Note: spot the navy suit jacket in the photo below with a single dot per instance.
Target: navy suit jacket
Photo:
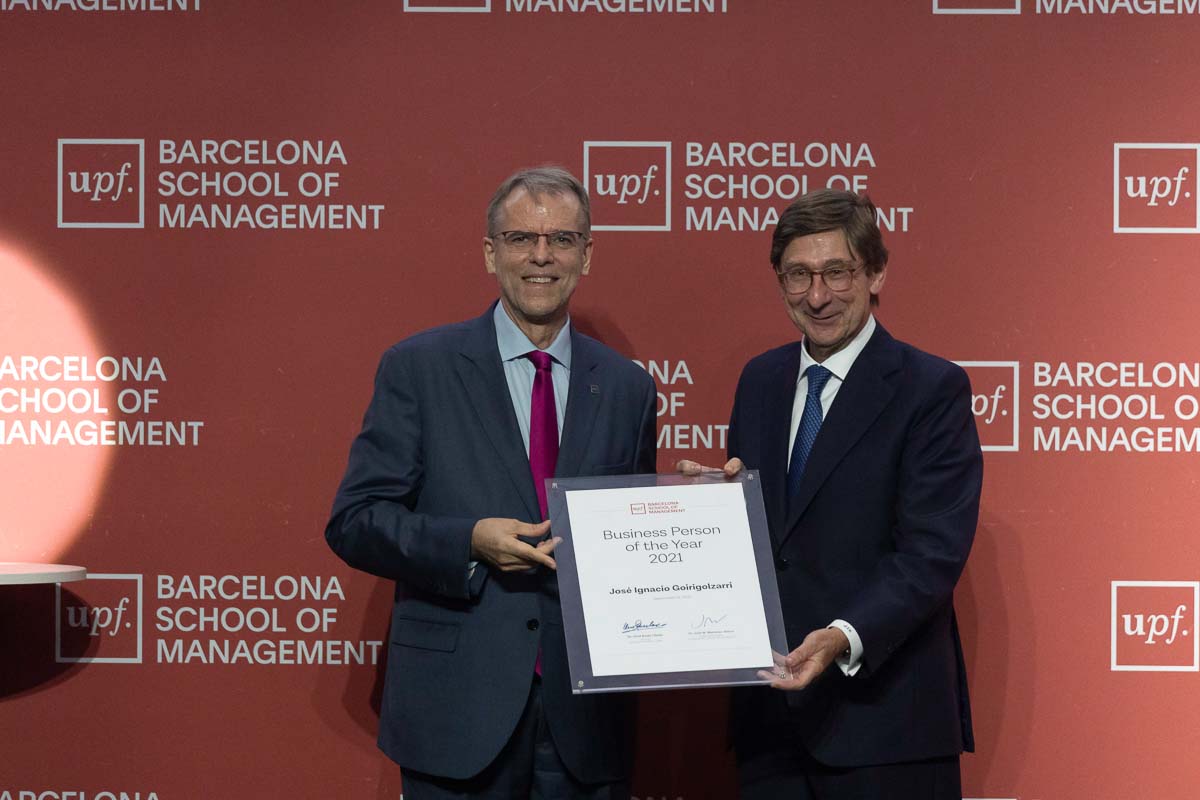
(878, 536)
(440, 449)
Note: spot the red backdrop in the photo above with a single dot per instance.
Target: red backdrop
(1037, 172)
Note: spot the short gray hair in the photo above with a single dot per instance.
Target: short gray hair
(540, 181)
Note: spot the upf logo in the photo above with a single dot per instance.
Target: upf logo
(1154, 626)
(101, 183)
(1154, 188)
(629, 184)
(448, 6)
(637, 508)
(976, 7)
(102, 616)
(995, 402)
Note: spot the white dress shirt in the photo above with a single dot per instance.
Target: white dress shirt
(839, 365)
(519, 373)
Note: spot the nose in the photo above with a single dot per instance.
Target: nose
(541, 252)
(818, 293)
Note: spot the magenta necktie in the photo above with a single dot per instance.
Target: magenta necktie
(543, 438)
(543, 427)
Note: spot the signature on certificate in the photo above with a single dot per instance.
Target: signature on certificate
(706, 620)
(635, 627)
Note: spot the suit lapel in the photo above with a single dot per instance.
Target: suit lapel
(777, 411)
(867, 390)
(585, 392)
(482, 375)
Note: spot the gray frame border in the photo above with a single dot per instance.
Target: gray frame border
(141, 144)
(583, 681)
(59, 658)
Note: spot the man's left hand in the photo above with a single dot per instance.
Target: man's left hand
(810, 659)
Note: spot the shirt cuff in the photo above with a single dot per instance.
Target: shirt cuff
(849, 662)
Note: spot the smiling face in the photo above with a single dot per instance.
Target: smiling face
(829, 320)
(536, 284)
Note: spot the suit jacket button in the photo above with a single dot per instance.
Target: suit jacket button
(781, 563)
(532, 624)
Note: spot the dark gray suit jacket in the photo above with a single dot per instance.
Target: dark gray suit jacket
(878, 536)
(440, 449)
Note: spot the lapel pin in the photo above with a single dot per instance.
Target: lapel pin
(595, 389)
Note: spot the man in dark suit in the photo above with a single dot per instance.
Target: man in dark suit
(871, 474)
(444, 493)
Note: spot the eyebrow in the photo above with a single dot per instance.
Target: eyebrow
(830, 264)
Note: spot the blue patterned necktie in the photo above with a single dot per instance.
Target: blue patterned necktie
(810, 423)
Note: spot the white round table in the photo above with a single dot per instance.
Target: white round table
(13, 572)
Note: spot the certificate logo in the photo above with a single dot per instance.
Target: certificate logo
(629, 184)
(976, 7)
(101, 183)
(1154, 626)
(101, 616)
(447, 6)
(1154, 188)
(995, 402)
(657, 507)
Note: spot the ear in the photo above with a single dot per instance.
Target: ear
(876, 285)
(489, 255)
(587, 257)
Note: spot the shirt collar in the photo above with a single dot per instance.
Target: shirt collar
(514, 344)
(840, 362)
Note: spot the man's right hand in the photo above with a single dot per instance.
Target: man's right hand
(495, 541)
(690, 468)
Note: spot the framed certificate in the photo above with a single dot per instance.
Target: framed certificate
(665, 581)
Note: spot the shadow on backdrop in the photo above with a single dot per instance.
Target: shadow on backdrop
(31, 661)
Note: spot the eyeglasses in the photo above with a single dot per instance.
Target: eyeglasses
(524, 241)
(837, 278)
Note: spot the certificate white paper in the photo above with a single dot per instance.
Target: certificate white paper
(668, 581)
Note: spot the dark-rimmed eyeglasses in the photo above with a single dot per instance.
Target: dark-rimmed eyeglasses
(523, 241)
(837, 278)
